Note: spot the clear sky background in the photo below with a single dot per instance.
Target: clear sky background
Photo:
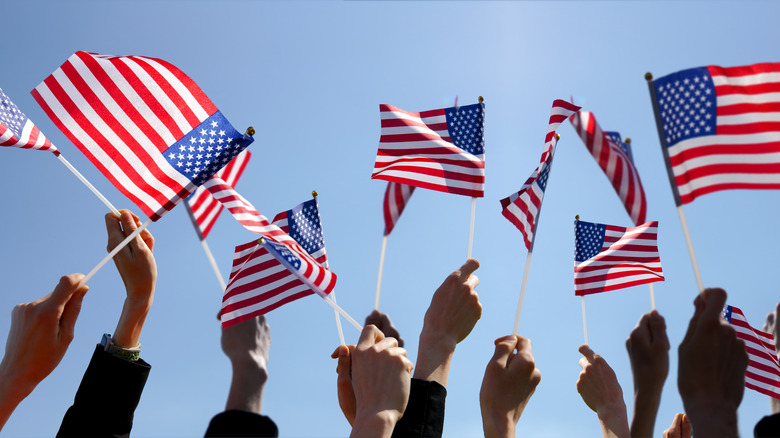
(309, 76)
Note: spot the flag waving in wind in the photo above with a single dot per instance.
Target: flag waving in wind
(522, 208)
(607, 257)
(614, 158)
(441, 149)
(720, 128)
(143, 123)
(269, 274)
(763, 370)
(18, 131)
(396, 197)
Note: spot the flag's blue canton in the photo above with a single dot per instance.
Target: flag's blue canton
(543, 176)
(727, 313)
(283, 252)
(10, 115)
(304, 225)
(206, 149)
(615, 136)
(588, 239)
(466, 127)
(687, 103)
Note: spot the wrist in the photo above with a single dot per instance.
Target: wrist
(131, 323)
(712, 418)
(434, 357)
(376, 424)
(498, 427)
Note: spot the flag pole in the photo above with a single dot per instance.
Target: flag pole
(87, 183)
(672, 180)
(584, 324)
(115, 251)
(379, 276)
(471, 227)
(528, 258)
(652, 296)
(205, 246)
(314, 195)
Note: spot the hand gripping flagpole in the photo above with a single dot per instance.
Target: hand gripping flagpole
(205, 246)
(528, 258)
(114, 251)
(314, 194)
(673, 181)
(473, 207)
(87, 183)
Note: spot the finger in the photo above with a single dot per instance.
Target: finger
(71, 312)
(467, 269)
(369, 336)
(129, 225)
(587, 352)
(685, 427)
(583, 362)
(344, 367)
(387, 343)
(114, 231)
(504, 348)
(472, 281)
(715, 299)
(657, 326)
(64, 290)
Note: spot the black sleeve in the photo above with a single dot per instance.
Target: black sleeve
(107, 397)
(424, 415)
(235, 423)
(768, 427)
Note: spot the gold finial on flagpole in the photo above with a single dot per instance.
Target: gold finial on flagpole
(314, 193)
(261, 241)
(481, 99)
(648, 76)
(557, 136)
(577, 217)
(250, 131)
(627, 140)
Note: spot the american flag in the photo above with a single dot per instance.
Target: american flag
(18, 131)
(143, 123)
(720, 126)
(614, 158)
(205, 209)
(607, 257)
(522, 208)
(269, 274)
(442, 149)
(396, 197)
(763, 370)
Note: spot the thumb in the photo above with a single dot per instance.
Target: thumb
(71, 312)
(504, 348)
(64, 290)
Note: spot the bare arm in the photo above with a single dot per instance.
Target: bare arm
(601, 391)
(648, 352)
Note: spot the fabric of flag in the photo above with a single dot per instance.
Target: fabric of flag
(607, 257)
(17, 130)
(143, 123)
(269, 274)
(522, 208)
(763, 370)
(396, 197)
(442, 149)
(721, 128)
(205, 209)
(614, 158)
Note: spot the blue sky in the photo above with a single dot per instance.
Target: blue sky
(309, 76)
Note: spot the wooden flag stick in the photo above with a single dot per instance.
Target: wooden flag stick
(652, 296)
(379, 276)
(522, 293)
(115, 251)
(471, 226)
(88, 184)
(205, 246)
(584, 324)
(314, 194)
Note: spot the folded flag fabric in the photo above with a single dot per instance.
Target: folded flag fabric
(763, 370)
(17, 130)
(522, 208)
(205, 209)
(396, 197)
(721, 128)
(143, 123)
(607, 257)
(614, 158)
(267, 274)
(442, 149)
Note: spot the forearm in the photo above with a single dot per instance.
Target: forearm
(131, 321)
(614, 423)
(645, 411)
(712, 419)
(12, 391)
(246, 387)
(497, 427)
(434, 357)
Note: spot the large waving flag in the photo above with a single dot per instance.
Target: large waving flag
(614, 158)
(267, 274)
(143, 123)
(720, 128)
(607, 257)
(17, 130)
(522, 208)
(763, 370)
(396, 197)
(205, 209)
(442, 149)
